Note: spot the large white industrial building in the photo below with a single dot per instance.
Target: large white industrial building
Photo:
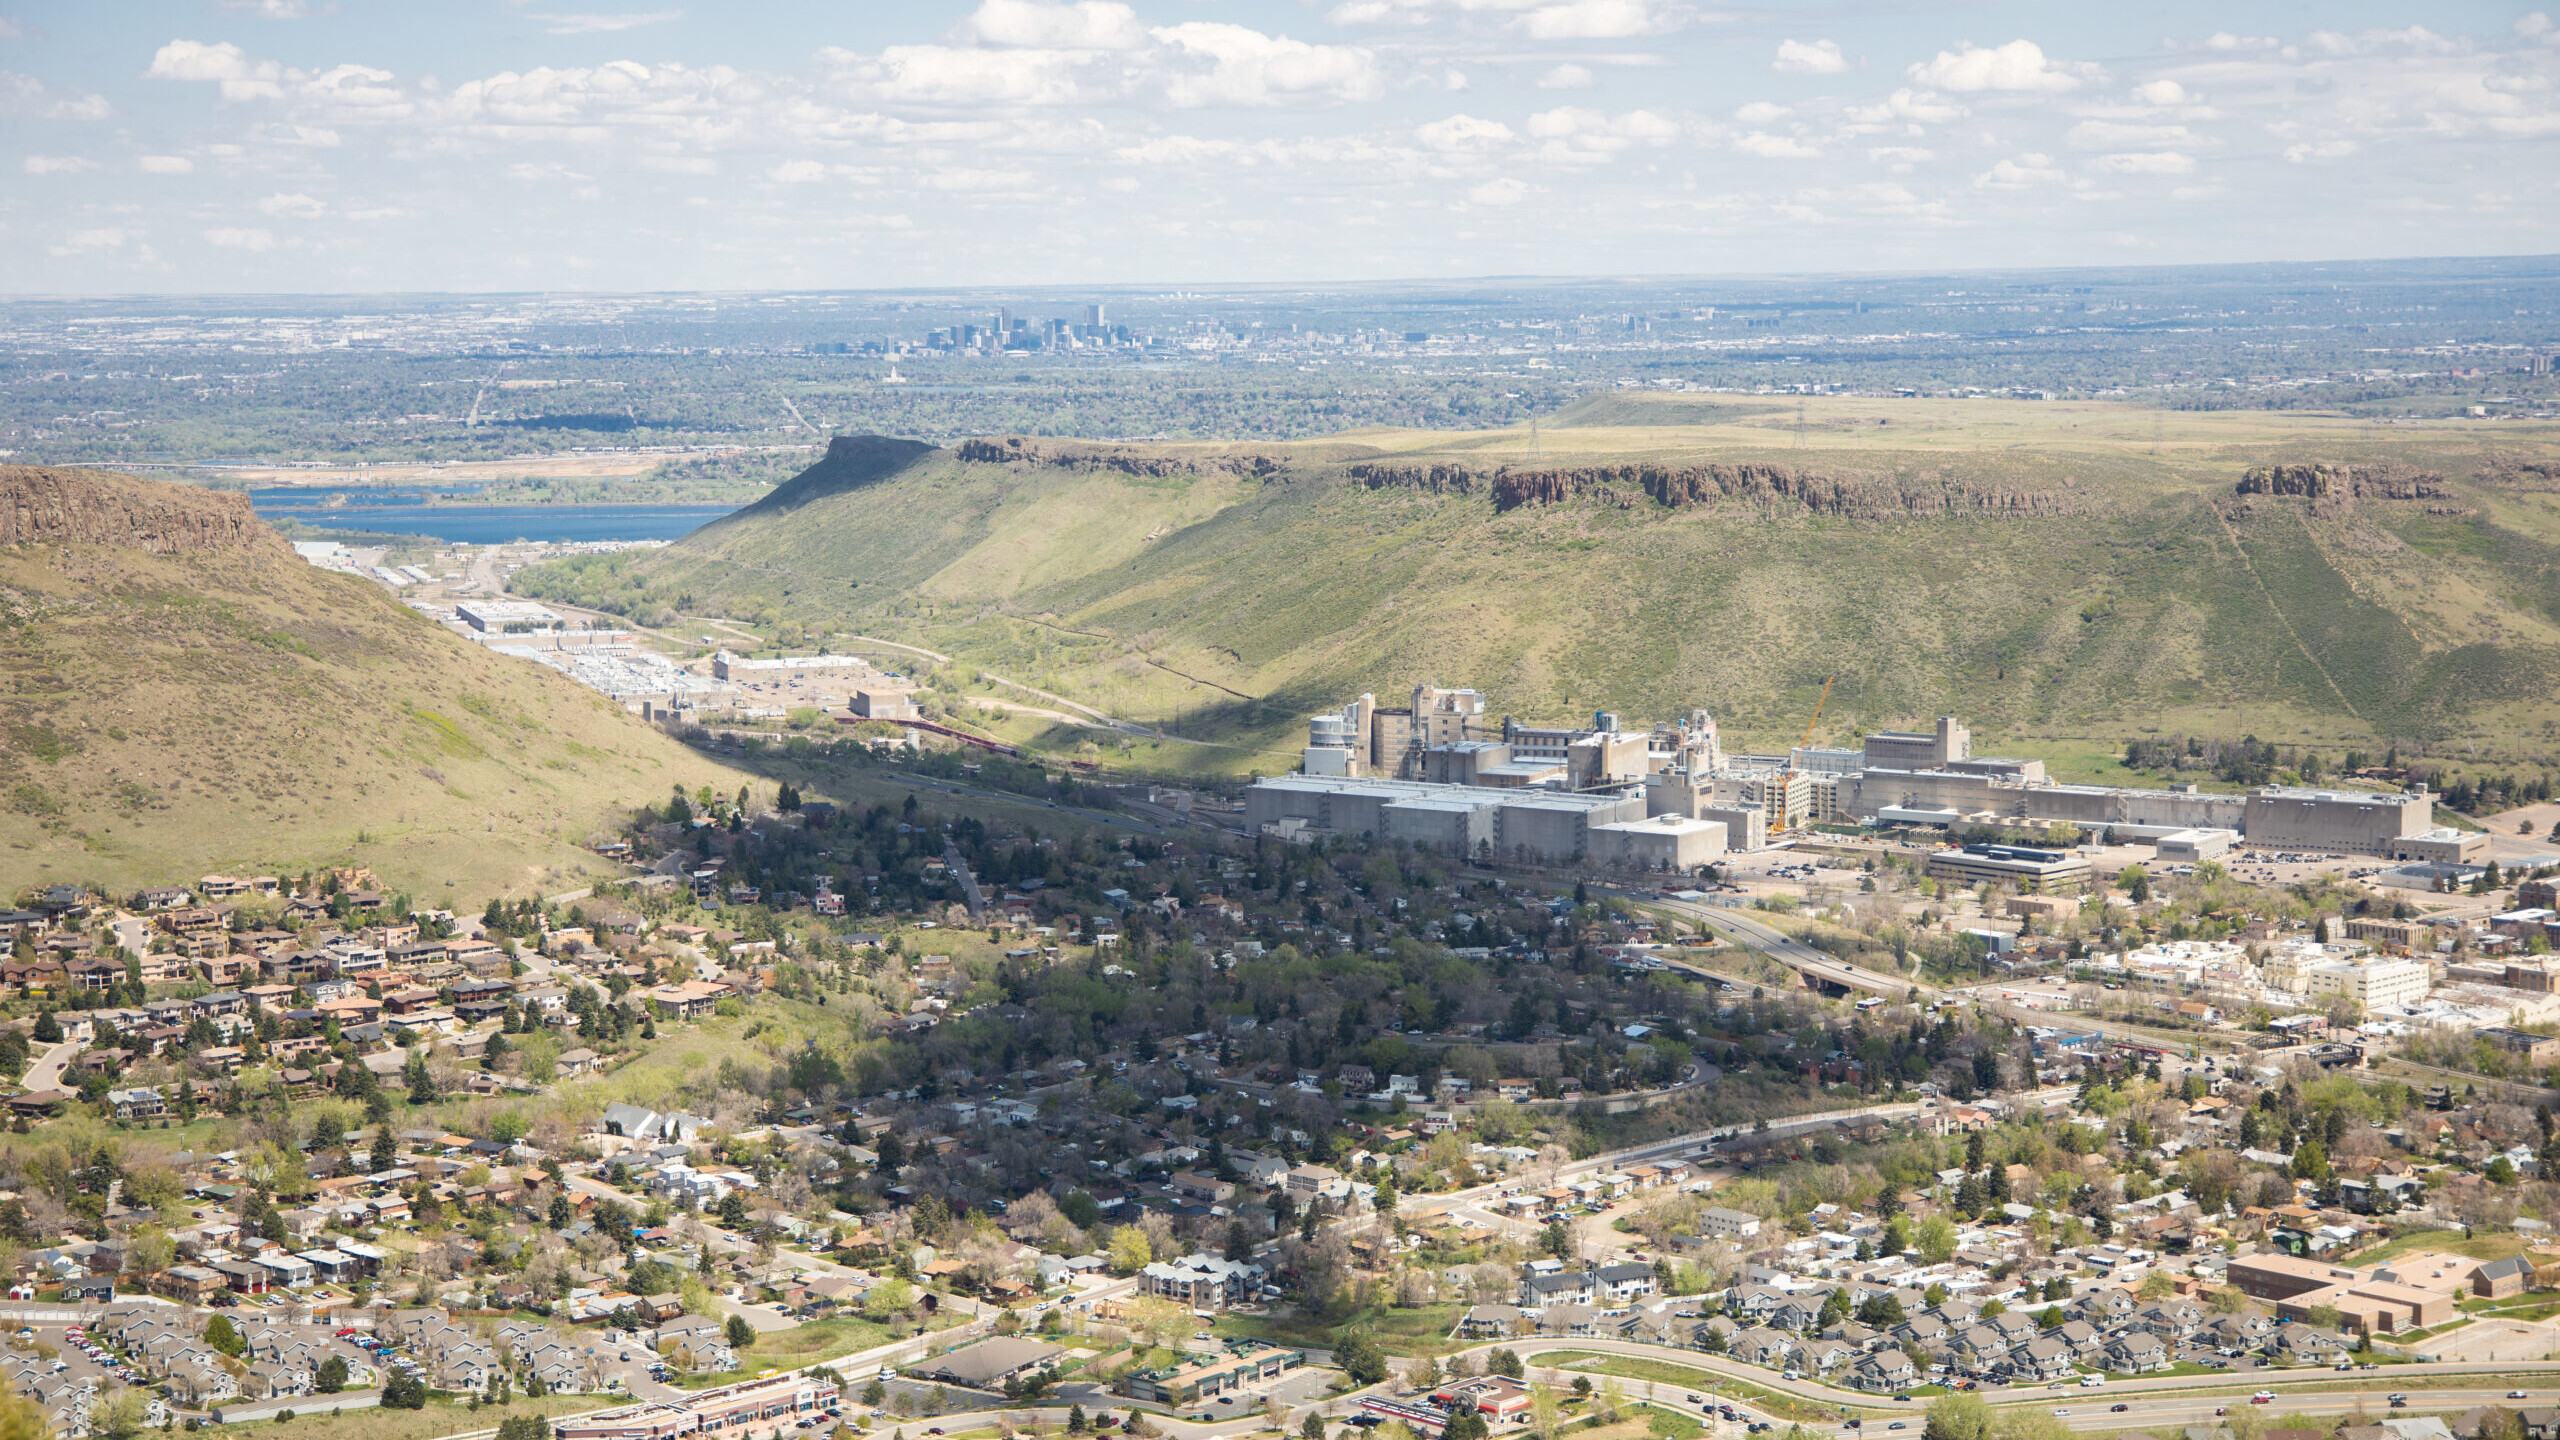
(1442, 774)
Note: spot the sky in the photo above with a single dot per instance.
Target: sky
(480, 145)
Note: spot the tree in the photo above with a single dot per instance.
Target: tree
(386, 1151)
(1936, 1240)
(1311, 1428)
(1957, 1417)
(1361, 1359)
(1503, 1361)
(422, 1082)
(892, 1296)
(332, 1376)
(48, 1029)
(1467, 1425)
(403, 1391)
(741, 1334)
(224, 1336)
(875, 1393)
(120, 1418)
(1130, 1251)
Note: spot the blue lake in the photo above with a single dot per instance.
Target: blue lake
(497, 524)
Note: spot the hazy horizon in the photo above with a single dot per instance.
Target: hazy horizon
(307, 147)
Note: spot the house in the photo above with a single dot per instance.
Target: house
(1491, 1322)
(1312, 1182)
(2137, 1352)
(2043, 1358)
(139, 1103)
(1771, 1348)
(1881, 1373)
(1726, 1224)
(1572, 1320)
(1567, 1287)
(1622, 1284)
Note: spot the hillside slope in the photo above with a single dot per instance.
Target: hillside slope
(2041, 568)
(180, 694)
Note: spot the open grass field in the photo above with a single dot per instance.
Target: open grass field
(2484, 1247)
(232, 709)
(1690, 1378)
(2065, 575)
(437, 1419)
(1422, 1330)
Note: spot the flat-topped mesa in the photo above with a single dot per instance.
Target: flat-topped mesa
(44, 505)
(2321, 479)
(1127, 460)
(1857, 494)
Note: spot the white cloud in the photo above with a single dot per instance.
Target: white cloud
(797, 172)
(2113, 135)
(1588, 20)
(606, 24)
(1247, 67)
(26, 95)
(1816, 57)
(1090, 25)
(2304, 154)
(234, 239)
(2154, 162)
(110, 237)
(1463, 132)
(268, 9)
(1760, 112)
(2536, 26)
(1576, 135)
(1565, 77)
(2024, 172)
(1921, 106)
(166, 165)
(2019, 66)
(2162, 93)
(1776, 147)
(297, 205)
(56, 164)
(1505, 191)
(224, 64)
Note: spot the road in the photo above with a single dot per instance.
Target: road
(2163, 1399)
(46, 1072)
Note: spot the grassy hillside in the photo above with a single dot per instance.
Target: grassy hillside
(2063, 574)
(184, 695)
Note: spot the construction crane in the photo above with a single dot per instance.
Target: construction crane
(1787, 816)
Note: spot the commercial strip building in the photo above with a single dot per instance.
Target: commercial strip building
(1203, 1375)
(729, 1407)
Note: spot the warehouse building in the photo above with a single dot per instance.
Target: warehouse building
(1541, 826)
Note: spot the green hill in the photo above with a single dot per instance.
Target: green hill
(2062, 574)
(184, 695)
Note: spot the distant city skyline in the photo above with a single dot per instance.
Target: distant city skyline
(337, 146)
